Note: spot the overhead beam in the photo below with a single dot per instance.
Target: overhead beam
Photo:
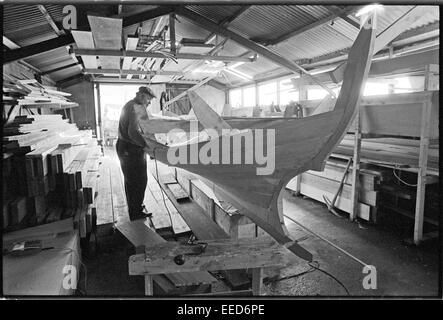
(315, 24)
(67, 39)
(75, 78)
(129, 71)
(147, 15)
(172, 33)
(217, 85)
(60, 68)
(225, 22)
(141, 54)
(251, 45)
(142, 81)
(10, 44)
(33, 49)
(50, 20)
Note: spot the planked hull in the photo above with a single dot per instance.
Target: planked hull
(301, 144)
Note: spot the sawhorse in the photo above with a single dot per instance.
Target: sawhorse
(211, 255)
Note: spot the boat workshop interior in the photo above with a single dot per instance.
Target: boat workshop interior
(289, 150)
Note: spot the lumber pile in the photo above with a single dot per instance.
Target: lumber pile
(398, 195)
(317, 184)
(32, 94)
(391, 151)
(50, 172)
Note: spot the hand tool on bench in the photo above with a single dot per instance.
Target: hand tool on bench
(330, 204)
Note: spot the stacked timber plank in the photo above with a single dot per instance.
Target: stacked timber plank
(392, 151)
(32, 94)
(317, 184)
(50, 173)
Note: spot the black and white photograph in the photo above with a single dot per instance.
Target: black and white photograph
(221, 151)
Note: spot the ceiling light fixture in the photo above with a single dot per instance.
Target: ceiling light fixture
(367, 9)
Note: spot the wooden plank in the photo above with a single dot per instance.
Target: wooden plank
(103, 201)
(200, 224)
(343, 204)
(50, 229)
(18, 210)
(257, 281)
(160, 218)
(140, 234)
(364, 196)
(107, 34)
(119, 204)
(131, 44)
(218, 255)
(367, 182)
(163, 201)
(177, 191)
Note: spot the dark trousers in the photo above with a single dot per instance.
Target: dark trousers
(133, 164)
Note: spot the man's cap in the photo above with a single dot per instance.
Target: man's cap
(147, 91)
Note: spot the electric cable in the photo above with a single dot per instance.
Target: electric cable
(327, 241)
(330, 275)
(399, 179)
(161, 191)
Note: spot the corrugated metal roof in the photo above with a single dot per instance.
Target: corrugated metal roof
(313, 43)
(272, 21)
(25, 25)
(215, 13)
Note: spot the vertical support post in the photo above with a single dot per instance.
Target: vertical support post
(149, 286)
(356, 168)
(257, 102)
(257, 281)
(302, 96)
(421, 176)
(172, 33)
(99, 114)
(297, 184)
(233, 227)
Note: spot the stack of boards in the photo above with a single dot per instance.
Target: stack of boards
(50, 172)
(32, 94)
(316, 184)
(390, 151)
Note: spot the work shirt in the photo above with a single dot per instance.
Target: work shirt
(128, 126)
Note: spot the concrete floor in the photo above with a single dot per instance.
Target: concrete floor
(401, 270)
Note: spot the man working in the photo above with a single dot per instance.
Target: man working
(130, 150)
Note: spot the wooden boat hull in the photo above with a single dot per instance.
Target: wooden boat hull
(300, 145)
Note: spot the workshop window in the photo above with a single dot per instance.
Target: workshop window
(287, 92)
(267, 94)
(235, 98)
(249, 97)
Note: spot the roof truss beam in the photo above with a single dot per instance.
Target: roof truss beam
(50, 20)
(140, 54)
(128, 71)
(67, 39)
(251, 45)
